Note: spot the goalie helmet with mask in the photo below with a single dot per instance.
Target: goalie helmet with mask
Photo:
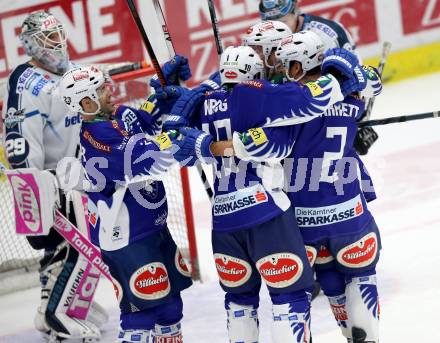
(44, 39)
(304, 47)
(241, 63)
(87, 87)
(264, 38)
(275, 9)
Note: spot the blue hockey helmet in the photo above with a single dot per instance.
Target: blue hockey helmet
(275, 9)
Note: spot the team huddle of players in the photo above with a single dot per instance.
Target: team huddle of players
(277, 123)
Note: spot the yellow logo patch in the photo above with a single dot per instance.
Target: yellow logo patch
(258, 136)
(164, 141)
(315, 89)
(147, 106)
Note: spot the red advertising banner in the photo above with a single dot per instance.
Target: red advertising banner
(103, 30)
(190, 25)
(99, 31)
(420, 15)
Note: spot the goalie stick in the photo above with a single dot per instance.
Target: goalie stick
(400, 119)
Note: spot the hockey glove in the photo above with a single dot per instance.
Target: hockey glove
(174, 122)
(340, 62)
(167, 97)
(188, 104)
(356, 83)
(192, 145)
(344, 65)
(365, 138)
(374, 82)
(173, 70)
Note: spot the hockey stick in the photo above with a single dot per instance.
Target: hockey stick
(400, 119)
(214, 22)
(385, 52)
(128, 67)
(147, 43)
(172, 53)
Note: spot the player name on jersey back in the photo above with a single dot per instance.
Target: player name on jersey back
(343, 109)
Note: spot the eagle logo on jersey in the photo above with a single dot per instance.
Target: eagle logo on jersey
(232, 271)
(360, 253)
(150, 282)
(280, 270)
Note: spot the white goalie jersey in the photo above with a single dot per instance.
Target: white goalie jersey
(38, 130)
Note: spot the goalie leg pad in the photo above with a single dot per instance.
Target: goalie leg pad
(363, 307)
(63, 273)
(97, 314)
(291, 317)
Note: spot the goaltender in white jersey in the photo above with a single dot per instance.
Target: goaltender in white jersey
(38, 133)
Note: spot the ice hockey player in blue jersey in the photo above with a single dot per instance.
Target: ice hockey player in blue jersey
(333, 35)
(124, 166)
(324, 189)
(248, 206)
(330, 206)
(262, 142)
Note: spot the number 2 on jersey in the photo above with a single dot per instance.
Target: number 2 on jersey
(329, 157)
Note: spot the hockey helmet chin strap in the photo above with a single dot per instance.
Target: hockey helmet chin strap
(293, 79)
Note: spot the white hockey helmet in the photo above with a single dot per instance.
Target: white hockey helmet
(267, 35)
(304, 47)
(239, 64)
(79, 83)
(44, 38)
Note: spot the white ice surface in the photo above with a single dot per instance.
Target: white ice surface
(405, 164)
